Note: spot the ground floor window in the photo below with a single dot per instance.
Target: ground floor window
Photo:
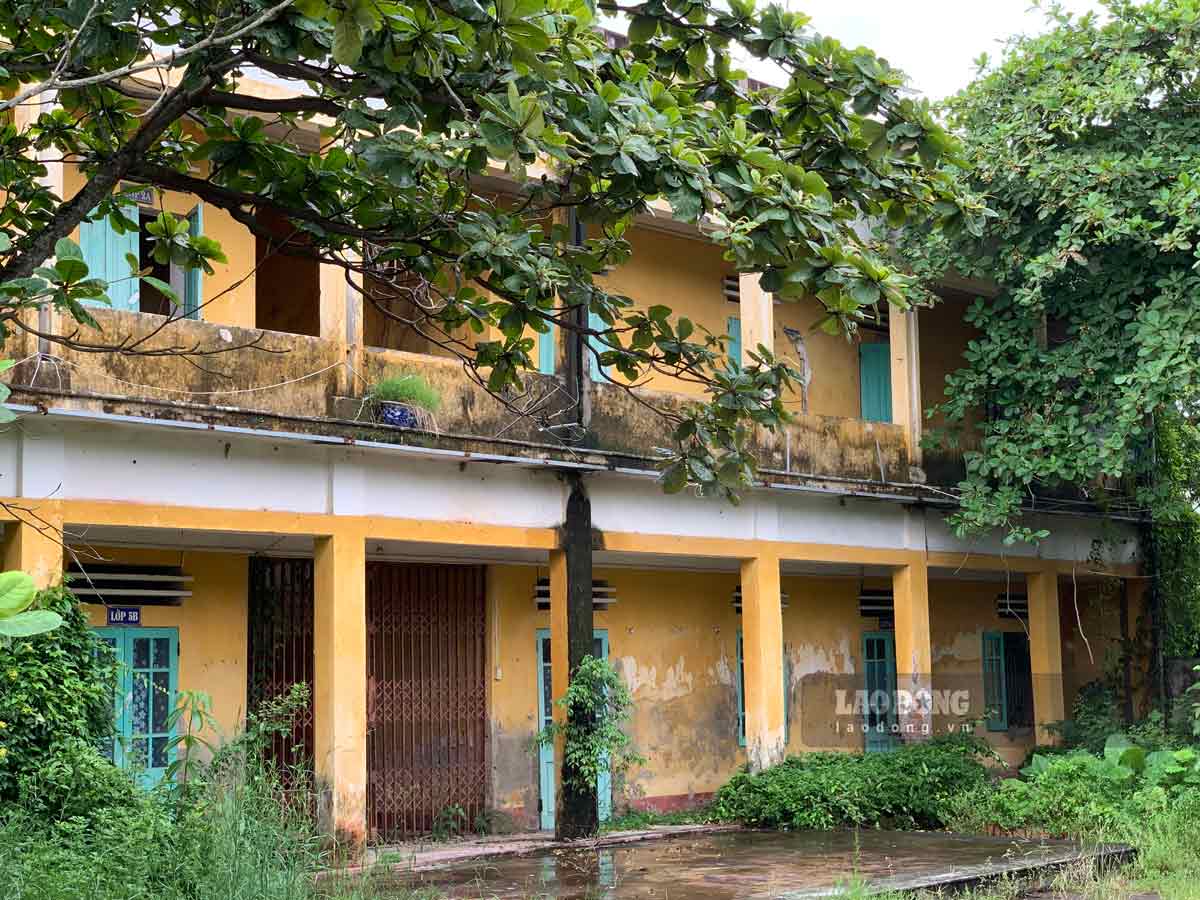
(1007, 680)
(146, 689)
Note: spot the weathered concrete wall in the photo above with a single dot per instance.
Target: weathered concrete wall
(273, 372)
(810, 445)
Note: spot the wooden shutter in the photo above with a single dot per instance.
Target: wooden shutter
(105, 253)
(875, 381)
(995, 698)
(733, 328)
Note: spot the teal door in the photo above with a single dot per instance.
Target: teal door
(106, 254)
(546, 773)
(146, 689)
(879, 667)
(875, 381)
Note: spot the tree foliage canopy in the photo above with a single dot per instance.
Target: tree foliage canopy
(1086, 143)
(386, 115)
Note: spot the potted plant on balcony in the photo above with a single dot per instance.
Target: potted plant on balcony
(405, 400)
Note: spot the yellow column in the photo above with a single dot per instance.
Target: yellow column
(1045, 652)
(340, 685)
(33, 543)
(914, 659)
(905, 346)
(762, 661)
(757, 312)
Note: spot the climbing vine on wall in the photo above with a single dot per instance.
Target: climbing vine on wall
(1086, 144)
(1177, 541)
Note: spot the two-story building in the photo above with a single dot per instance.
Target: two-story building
(238, 523)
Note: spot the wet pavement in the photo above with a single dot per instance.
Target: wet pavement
(748, 864)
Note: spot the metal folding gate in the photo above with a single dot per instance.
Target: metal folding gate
(280, 649)
(426, 696)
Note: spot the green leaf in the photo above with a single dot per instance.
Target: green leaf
(347, 41)
(642, 29)
(674, 478)
(17, 591)
(65, 248)
(27, 624)
(162, 287)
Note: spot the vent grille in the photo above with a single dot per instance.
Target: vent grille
(737, 599)
(877, 318)
(731, 289)
(604, 594)
(877, 604)
(112, 584)
(1012, 606)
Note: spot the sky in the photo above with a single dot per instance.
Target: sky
(935, 42)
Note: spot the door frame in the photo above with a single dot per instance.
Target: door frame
(124, 694)
(548, 777)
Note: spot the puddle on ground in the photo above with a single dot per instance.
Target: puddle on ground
(743, 864)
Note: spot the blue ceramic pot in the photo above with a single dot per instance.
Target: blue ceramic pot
(397, 414)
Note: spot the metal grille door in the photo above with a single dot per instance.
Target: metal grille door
(426, 697)
(281, 648)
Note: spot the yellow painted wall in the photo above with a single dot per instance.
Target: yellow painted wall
(682, 273)
(672, 635)
(687, 275)
(211, 623)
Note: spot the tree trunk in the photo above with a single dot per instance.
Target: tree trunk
(577, 815)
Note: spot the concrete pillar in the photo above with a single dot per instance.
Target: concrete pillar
(559, 664)
(340, 686)
(1045, 652)
(34, 543)
(762, 662)
(905, 344)
(914, 658)
(757, 313)
(342, 319)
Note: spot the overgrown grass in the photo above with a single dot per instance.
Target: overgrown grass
(233, 830)
(639, 819)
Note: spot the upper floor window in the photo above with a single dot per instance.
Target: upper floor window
(109, 255)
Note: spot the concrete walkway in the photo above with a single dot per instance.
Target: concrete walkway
(703, 863)
(420, 856)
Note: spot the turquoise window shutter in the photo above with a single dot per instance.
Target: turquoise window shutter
(733, 328)
(105, 253)
(995, 699)
(875, 380)
(546, 351)
(194, 285)
(598, 346)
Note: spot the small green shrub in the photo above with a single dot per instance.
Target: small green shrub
(597, 704)
(55, 688)
(909, 787)
(407, 388)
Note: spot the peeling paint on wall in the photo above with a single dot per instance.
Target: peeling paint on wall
(965, 647)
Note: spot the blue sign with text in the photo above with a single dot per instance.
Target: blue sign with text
(124, 615)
